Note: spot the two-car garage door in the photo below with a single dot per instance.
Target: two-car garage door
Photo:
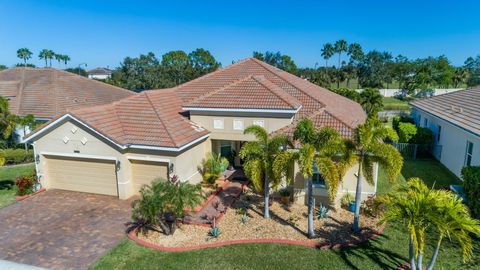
(82, 174)
(99, 175)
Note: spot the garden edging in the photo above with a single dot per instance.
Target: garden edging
(21, 198)
(132, 235)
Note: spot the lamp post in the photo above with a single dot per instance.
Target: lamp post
(79, 66)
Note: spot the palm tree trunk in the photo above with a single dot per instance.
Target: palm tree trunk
(411, 255)
(25, 62)
(266, 191)
(420, 260)
(46, 62)
(435, 254)
(311, 232)
(339, 59)
(358, 195)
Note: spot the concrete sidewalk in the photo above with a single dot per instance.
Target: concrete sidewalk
(7, 265)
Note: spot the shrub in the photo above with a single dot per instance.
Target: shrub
(471, 187)
(346, 199)
(212, 167)
(406, 131)
(162, 202)
(373, 206)
(401, 119)
(423, 136)
(25, 184)
(17, 156)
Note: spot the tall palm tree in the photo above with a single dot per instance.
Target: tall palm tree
(419, 208)
(47, 55)
(355, 52)
(321, 148)
(66, 59)
(8, 121)
(327, 52)
(367, 145)
(24, 54)
(59, 58)
(258, 159)
(340, 47)
(371, 101)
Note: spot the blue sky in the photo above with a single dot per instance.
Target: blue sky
(102, 33)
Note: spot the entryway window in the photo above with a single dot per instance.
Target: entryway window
(225, 148)
(218, 123)
(259, 123)
(317, 178)
(469, 154)
(237, 124)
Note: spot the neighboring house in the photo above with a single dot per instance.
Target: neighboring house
(48, 92)
(100, 73)
(454, 119)
(113, 149)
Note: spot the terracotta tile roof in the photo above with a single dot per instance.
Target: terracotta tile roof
(245, 85)
(149, 118)
(48, 92)
(253, 92)
(461, 108)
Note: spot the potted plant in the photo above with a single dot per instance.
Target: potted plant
(285, 195)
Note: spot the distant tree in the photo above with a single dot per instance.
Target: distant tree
(355, 52)
(373, 68)
(59, 58)
(8, 121)
(176, 67)
(2, 67)
(47, 55)
(473, 67)
(202, 62)
(138, 73)
(24, 54)
(340, 47)
(278, 60)
(66, 59)
(327, 52)
(78, 71)
(460, 77)
(371, 101)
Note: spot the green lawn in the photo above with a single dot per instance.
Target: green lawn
(385, 252)
(391, 103)
(7, 182)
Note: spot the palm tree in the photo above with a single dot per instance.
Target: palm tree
(327, 52)
(340, 46)
(460, 76)
(367, 145)
(8, 121)
(355, 52)
(258, 158)
(371, 101)
(419, 207)
(47, 55)
(321, 148)
(24, 54)
(59, 58)
(66, 59)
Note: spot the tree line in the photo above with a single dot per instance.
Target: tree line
(47, 55)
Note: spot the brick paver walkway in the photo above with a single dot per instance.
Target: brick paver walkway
(218, 205)
(62, 230)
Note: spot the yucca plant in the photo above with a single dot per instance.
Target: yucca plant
(419, 208)
(258, 156)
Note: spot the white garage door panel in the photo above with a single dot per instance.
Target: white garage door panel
(84, 175)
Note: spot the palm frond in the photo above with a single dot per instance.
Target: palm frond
(389, 158)
(329, 172)
(259, 132)
(254, 170)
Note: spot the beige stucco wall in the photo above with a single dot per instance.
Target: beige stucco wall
(453, 142)
(185, 163)
(348, 184)
(228, 133)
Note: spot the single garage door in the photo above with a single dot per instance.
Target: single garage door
(82, 174)
(144, 172)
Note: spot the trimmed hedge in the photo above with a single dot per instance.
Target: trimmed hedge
(17, 156)
(471, 187)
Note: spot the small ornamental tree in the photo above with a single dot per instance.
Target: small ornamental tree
(406, 132)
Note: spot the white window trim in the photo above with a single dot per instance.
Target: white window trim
(238, 121)
(468, 154)
(217, 119)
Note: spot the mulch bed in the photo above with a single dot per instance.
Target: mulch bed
(288, 224)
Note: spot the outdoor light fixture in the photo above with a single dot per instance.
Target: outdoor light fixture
(117, 165)
(37, 159)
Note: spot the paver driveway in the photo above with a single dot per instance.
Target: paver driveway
(60, 229)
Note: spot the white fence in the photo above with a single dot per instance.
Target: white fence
(397, 92)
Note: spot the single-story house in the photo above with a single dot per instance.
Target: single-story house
(454, 119)
(48, 92)
(116, 148)
(99, 73)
